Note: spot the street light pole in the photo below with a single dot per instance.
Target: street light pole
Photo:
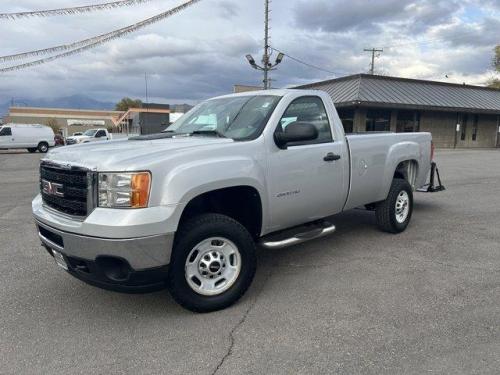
(266, 64)
(265, 58)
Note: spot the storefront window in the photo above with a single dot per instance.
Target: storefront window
(378, 120)
(463, 128)
(474, 128)
(408, 121)
(347, 118)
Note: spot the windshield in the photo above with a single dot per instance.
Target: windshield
(90, 132)
(240, 117)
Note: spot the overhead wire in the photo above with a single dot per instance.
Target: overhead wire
(305, 63)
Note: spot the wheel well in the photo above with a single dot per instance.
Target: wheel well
(242, 203)
(407, 170)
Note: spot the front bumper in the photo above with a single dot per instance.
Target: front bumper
(125, 265)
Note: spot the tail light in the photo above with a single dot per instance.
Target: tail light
(432, 151)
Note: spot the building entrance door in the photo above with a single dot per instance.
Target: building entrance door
(467, 133)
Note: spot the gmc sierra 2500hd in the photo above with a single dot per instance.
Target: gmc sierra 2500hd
(186, 208)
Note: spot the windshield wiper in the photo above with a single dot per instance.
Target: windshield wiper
(209, 132)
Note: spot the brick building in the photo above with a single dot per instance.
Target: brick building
(69, 120)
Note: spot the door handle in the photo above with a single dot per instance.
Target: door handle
(331, 157)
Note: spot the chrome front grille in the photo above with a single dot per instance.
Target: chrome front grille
(69, 190)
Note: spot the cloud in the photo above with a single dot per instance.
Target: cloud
(228, 9)
(485, 33)
(200, 52)
(337, 15)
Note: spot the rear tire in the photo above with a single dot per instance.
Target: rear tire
(31, 150)
(393, 215)
(213, 263)
(43, 147)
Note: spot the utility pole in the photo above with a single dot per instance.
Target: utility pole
(373, 51)
(147, 100)
(266, 64)
(265, 58)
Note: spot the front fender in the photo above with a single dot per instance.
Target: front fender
(191, 179)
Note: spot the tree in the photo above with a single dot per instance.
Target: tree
(496, 59)
(126, 103)
(495, 82)
(52, 122)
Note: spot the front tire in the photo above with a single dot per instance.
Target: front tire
(43, 147)
(393, 215)
(213, 263)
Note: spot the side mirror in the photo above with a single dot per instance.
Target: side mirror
(296, 132)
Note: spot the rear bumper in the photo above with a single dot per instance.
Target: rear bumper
(125, 265)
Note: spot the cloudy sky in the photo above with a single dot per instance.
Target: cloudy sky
(200, 52)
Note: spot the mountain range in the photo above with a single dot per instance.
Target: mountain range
(73, 101)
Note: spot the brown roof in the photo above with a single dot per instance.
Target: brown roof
(366, 89)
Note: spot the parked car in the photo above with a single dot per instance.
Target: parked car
(90, 135)
(32, 137)
(187, 207)
(59, 140)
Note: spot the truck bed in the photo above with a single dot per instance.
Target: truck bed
(374, 158)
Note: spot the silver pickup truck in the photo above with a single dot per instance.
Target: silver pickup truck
(186, 208)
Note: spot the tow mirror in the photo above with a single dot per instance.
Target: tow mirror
(296, 132)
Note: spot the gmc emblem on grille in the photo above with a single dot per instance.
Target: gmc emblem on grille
(51, 188)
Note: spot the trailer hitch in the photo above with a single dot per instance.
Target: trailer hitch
(431, 187)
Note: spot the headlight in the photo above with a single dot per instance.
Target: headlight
(124, 190)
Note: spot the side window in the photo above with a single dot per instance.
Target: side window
(100, 133)
(5, 131)
(308, 109)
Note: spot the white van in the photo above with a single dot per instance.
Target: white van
(32, 137)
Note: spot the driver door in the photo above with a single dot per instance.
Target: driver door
(100, 136)
(6, 139)
(305, 182)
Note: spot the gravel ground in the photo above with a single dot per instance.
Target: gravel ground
(359, 301)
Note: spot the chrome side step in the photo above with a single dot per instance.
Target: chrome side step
(318, 231)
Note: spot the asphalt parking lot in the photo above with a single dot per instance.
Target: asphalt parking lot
(359, 301)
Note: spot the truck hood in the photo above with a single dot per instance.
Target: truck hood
(130, 154)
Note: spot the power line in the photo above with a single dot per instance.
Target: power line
(305, 63)
(95, 41)
(71, 10)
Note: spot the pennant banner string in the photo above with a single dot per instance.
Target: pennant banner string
(73, 10)
(83, 45)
